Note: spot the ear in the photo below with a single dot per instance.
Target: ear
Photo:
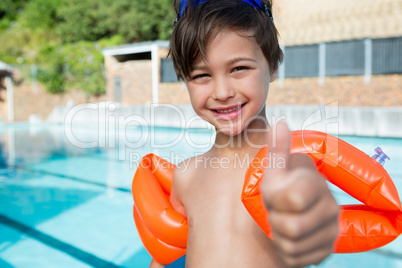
(273, 75)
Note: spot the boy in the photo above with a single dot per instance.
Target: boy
(227, 53)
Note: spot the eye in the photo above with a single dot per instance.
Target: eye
(199, 76)
(240, 68)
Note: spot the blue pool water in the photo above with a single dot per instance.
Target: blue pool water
(65, 196)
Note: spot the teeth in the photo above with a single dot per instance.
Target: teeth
(229, 110)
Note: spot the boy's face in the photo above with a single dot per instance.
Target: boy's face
(229, 89)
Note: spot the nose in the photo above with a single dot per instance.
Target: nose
(223, 89)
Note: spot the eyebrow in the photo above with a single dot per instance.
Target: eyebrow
(242, 59)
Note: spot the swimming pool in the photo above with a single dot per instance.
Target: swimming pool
(65, 197)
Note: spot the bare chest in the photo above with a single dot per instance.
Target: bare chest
(214, 198)
(219, 225)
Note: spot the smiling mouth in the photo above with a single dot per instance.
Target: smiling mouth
(228, 111)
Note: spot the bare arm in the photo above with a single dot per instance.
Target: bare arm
(178, 184)
(154, 264)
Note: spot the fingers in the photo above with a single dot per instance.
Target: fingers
(306, 236)
(308, 250)
(295, 248)
(303, 189)
(312, 258)
(297, 225)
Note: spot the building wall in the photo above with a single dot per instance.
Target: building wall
(314, 21)
(175, 93)
(3, 105)
(41, 103)
(383, 90)
(136, 79)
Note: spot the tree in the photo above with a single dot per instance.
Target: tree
(85, 20)
(40, 14)
(135, 20)
(147, 20)
(65, 37)
(9, 10)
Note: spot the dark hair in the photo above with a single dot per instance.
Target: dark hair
(201, 24)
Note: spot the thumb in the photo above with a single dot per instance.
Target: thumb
(279, 148)
(276, 179)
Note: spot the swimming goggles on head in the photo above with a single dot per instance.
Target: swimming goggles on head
(255, 3)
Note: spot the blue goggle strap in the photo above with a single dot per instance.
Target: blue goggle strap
(255, 3)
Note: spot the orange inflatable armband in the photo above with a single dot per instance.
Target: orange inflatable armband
(162, 230)
(370, 225)
(373, 224)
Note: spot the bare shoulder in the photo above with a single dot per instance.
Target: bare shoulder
(185, 169)
(184, 173)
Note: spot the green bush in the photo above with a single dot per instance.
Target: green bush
(78, 65)
(53, 79)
